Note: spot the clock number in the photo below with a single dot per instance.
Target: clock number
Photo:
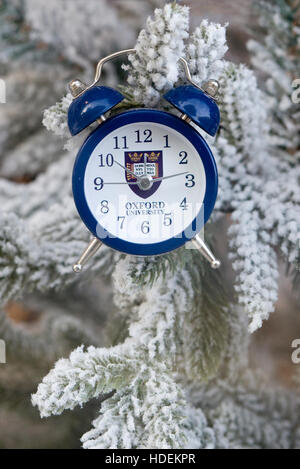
(121, 220)
(138, 136)
(167, 219)
(117, 143)
(106, 161)
(104, 207)
(183, 204)
(166, 137)
(145, 227)
(190, 178)
(183, 155)
(116, 139)
(147, 134)
(98, 183)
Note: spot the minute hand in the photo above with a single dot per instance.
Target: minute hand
(168, 177)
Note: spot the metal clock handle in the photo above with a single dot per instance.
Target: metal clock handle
(213, 84)
(77, 87)
(210, 87)
(107, 59)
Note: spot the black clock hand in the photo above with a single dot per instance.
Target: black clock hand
(128, 183)
(129, 171)
(153, 180)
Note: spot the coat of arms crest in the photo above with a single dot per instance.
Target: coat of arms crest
(142, 163)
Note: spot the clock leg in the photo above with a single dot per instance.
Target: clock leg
(206, 252)
(92, 248)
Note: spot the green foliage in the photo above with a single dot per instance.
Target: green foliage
(147, 270)
(206, 324)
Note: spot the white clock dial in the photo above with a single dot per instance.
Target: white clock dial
(130, 205)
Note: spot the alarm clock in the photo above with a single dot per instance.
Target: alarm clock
(145, 181)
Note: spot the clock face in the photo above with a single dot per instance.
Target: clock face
(143, 184)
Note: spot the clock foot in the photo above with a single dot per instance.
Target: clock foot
(89, 252)
(206, 252)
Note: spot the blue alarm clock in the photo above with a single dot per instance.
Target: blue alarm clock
(145, 181)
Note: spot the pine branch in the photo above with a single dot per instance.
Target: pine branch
(79, 46)
(82, 377)
(205, 325)
(147, 270)
(116, 427)
(58, 335)
(276, 55)
(205, 51)
(154, 68)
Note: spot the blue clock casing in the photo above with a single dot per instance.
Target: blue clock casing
(92, 104)
(197, 105)
(151, 116)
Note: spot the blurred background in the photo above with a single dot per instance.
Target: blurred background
(51, 39)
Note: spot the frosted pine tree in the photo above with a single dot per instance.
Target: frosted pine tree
(277, 59)
(280, 25)
(170, 368)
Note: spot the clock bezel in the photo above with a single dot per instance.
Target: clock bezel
(131, 117)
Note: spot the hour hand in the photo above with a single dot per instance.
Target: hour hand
(128, 171)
